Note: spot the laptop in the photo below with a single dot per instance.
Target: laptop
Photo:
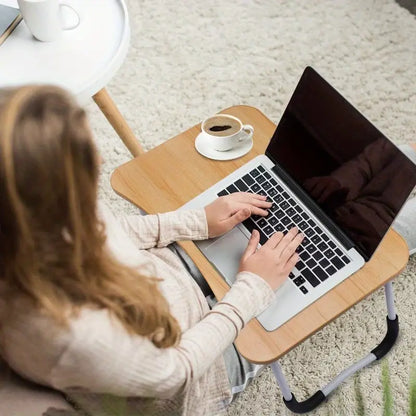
(331, 173)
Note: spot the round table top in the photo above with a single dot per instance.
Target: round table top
(83, 60)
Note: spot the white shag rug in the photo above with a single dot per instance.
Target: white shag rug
(190, 59)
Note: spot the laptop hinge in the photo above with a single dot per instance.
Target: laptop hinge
(316, 209)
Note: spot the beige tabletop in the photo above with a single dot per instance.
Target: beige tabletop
(171, 174)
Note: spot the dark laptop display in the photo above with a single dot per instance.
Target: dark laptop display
(344, 163)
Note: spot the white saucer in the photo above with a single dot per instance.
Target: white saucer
(204, 149)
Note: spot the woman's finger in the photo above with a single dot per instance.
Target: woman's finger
(291, 247)
(291, 263)
(286, 240)
(252, 195)
(255, 210)
(274, 240)
(249, 197)
(239, 216)
(252, 245)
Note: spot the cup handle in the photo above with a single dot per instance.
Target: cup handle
(249, 130)
(70, 27)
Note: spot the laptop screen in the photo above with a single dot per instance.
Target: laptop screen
(344, 163)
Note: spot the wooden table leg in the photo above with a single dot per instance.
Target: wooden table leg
(113, 115)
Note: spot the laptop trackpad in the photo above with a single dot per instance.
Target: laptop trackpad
(225, 253)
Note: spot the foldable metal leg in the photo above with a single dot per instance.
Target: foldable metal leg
(376, 354)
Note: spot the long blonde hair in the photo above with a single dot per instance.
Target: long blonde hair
(52, 244)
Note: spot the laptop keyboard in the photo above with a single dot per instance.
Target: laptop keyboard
(320, 257)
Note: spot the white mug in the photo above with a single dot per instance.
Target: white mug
(44, 20)
(225, 132)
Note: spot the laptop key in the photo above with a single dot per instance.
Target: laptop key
(338, 252)
(300, 265)
(291, 275)
(312, 223)
(311, 248)
(255, 188)
(304, 255)
(261, 169)
(249, 224)
(263, 238)
(337, 263)
(223, 193)
(284, 205)
(316, 239)
(322, 246)
(291, 212)
(311, 263)
(232, 189)
(329, 253)
(309, 232)
(299, 281)
(345, 259)
(267, 175)
(297, 218)
(254, 173)
(285, 195)
(285, 220)
(331, 270)
(303, 225)
(318, 230)
(260, 179)
(325, 237)
(305, 215)
(303, 290)
(272, 193)
(241, 186)
(273, 221)
(273, 182)
(267, 186)
(331, 244)
(324, 263)
(317, 255)
(268, 230)
(310, 277)
(262, 223)
(248, 179)
(279, 227)
(274, 208)
(322, 275)
(298, 208)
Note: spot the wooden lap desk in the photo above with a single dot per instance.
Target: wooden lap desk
(171, 174)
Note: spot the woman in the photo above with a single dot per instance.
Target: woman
(93, 305)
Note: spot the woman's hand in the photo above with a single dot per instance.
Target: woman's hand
(227, 211)
(275, 259)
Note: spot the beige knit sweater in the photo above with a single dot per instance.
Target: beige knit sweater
(96, 361)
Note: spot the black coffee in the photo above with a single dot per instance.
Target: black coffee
(221, 125)
(220, 128)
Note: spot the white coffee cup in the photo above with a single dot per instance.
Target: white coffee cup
(225, 132)
(44, 18)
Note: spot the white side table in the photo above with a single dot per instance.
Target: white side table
(82, 61)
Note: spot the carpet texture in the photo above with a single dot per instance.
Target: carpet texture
(188, 60)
